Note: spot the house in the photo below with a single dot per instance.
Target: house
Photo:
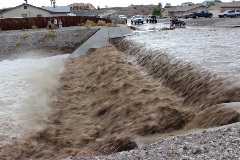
(26, 10)
(217, 7)
(207, 2)
(81, 6)
(187, 4)
(181, 11)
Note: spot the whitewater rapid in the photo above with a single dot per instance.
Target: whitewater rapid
(212, 49)
(25, 89)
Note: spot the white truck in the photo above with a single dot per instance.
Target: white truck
(137, 19)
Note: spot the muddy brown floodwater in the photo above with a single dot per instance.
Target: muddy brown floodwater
(105, 102)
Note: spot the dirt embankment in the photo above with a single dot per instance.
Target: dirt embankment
(42, 42)
(105, 103)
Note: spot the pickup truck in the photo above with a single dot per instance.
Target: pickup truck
(229, 13)
(200, 13)
(137, 19)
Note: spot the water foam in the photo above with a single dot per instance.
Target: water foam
(26, 85)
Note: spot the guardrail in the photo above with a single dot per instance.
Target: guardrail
(41, 22)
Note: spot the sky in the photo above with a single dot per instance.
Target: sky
(101, 3)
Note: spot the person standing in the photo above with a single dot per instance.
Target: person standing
(60, 23)
(49, 24)
(55, 23)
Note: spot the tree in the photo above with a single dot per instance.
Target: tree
(157, 10)
(210, 3)
(168, 5)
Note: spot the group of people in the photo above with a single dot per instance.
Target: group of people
(57, 24)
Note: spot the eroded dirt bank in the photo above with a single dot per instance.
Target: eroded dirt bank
(105, 102)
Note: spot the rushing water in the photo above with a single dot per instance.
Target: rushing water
(25, 87)
(215, 50)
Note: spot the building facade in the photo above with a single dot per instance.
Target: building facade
(27, 10)
(181, 11)
(218, 7)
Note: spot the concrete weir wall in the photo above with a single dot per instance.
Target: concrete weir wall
(103, 37)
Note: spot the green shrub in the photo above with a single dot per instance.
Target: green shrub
(80, 24)
(49, 34)
(25, 35)
(165, 28)
(34, 27)
(88, 26)
(109, 24)
(52, 27)
(90, 23)
(122, 21)
(18, 42)
(101, 23)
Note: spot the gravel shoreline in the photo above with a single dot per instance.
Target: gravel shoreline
(215, 143)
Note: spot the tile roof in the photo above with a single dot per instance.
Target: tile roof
(64, 9)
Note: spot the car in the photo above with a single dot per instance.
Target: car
(123, 17)
(152, 19)
(229, 13)
(90, 15)
(137, 19)
(200, 13)
(186, 16)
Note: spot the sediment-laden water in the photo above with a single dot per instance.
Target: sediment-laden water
(25, 92)
(101, 102)
(106, 99)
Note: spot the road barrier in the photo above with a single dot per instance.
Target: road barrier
(41, 22)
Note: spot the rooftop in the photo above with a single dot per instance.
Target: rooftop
(183, 8)
(58, 9)
(227, 4)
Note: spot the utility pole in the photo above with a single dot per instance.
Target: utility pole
(53, 2)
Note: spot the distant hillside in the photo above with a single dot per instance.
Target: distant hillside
(128, 11)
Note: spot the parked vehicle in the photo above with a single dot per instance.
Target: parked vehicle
(123, 17)
(152, 19)
(200, 13)
(177, 22)
(96, 16)
(186, 16)
(229, 13)
(137, 19)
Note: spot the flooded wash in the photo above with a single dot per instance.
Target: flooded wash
(25, 92)
(108, 100)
